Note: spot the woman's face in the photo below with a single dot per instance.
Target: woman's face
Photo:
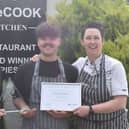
(92, 42)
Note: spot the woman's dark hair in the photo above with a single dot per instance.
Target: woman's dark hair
(93, 24)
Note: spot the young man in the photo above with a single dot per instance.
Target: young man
(2, 113)
(105, 90)
(49, 68)
(2, 110)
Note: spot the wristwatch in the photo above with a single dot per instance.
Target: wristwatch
(91, 111)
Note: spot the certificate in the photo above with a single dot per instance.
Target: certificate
(60, 96)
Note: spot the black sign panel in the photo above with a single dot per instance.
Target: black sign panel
(18, 19)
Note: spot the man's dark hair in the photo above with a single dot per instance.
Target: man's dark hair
(93, 24)
(46, 29)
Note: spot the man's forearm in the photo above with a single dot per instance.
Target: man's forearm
(20, 103)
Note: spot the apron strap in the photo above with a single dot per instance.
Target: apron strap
(36, 68)
(61, 67)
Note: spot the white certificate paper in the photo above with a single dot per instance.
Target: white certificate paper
(60, 96)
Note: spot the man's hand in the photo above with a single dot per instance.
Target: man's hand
(59, 114)
(28, 113)
(2, 112)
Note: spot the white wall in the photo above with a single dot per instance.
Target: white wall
(51, 6)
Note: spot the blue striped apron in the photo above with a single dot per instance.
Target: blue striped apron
(95, 91)
(42, 120)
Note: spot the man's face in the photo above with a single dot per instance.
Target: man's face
(48, 46)
(92, 42)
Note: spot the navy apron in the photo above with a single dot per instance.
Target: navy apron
(42, 120)
(95, 91)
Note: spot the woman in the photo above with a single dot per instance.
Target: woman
(104, 85)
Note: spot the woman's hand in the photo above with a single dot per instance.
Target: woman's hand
(35, 58)
(82, 111)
